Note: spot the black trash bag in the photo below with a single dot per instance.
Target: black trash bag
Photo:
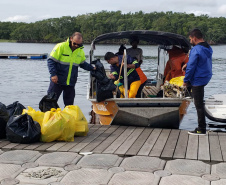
(104, 91)
(4, 117)
(101, 77)
(48, 101)
(22, 129)
(15, 108)
(99, 73)
(104, 85)
(99, 66)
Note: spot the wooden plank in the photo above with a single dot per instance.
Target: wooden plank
(88, 139)
(4, 143)
(134, 149)
(70, 145)
(33, 146)
(77, 140)
(148, 145)
(145, 92)
(110, 140)
(153, 90)
(150, 91)
(181, 147)
(90, 125)
(10, 145)
(203, 151)
(160, 143)
(170, 144)
(117, 143)
(45, 146)
(222, 139)
(100, 139)
(56, 146)
(215, 149)
(192, 149)
(156, 89)
(129, 141)
(20, 146)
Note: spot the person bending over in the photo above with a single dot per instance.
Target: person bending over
(115, 62)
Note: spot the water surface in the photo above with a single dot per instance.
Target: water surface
(27, 80)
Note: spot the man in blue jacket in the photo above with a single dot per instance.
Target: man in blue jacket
(198, 74)
(63, 67)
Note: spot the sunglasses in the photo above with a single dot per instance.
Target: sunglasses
(79, 45)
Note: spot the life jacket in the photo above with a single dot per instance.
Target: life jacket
(143, 77)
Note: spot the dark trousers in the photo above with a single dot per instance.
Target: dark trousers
(198, 95)
(68, 92)
(140, 90)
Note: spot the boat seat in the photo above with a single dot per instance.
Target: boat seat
(150, 91)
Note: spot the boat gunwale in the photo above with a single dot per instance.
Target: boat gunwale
(144, 100)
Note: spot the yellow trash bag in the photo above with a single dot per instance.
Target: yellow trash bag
(36, 115)
(177, 81)
(80, 122)
(57, 125)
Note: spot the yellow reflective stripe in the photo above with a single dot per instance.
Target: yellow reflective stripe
(130, 71)
(63, 63)
(69, 73)
(114, 73)
(135, 62)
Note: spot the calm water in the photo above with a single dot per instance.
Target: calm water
(27, 81)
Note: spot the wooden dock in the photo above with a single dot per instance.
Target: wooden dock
(23, 56)
(138, 141)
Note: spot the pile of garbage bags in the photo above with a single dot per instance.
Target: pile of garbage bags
(21, 125)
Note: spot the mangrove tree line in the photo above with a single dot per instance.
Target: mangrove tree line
(93, 24)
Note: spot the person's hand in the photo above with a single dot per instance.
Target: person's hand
(54, 79)
(130, 66)
(111, 76)
(185, 84)
(184, 67)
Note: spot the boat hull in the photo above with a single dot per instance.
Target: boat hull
(145, 114)
(157, 117)
(215, 108)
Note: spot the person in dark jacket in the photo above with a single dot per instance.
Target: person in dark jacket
(133, 77)
(198, 74)
(63, 67)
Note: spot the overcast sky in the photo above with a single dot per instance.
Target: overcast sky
(31, 11)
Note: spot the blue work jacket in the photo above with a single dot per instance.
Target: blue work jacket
(64, 63)
(199, 66)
